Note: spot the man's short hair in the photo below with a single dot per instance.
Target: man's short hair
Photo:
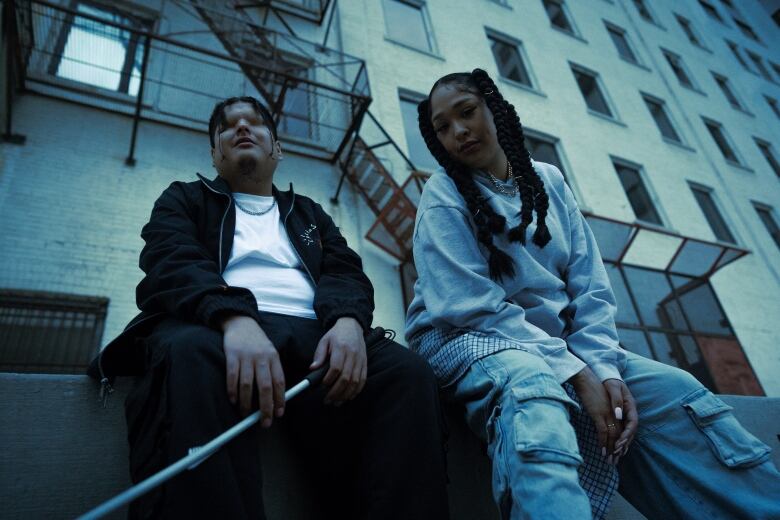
(217, 118)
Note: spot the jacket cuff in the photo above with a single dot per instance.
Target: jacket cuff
(564, 364)
(606, 371)
(231, 301)
(331, 315)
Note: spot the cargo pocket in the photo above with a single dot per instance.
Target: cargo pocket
(732, 444)
(543, 432)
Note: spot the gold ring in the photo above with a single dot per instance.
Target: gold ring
(610, 426)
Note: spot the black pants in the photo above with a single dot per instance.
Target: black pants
(378, 456)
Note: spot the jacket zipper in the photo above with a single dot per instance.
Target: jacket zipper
(222, 223)
(292, 243)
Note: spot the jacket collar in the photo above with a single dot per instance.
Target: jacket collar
(283, 198)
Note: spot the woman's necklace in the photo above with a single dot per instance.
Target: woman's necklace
(255, 213)
(509, 192)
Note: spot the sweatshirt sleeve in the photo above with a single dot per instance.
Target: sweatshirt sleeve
(592, 336)
(459, 293)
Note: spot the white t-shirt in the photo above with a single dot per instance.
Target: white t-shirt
(263, 260)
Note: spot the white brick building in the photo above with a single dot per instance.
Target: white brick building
(663, 80)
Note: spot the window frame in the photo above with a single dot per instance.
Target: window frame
(774, 105)
(739, 162)
(649, 191)
(746, 30)
(614, 116)
(610, 27)
(575, 31)
(410, 96)
(758, 62)
(717, 206)
(505, 39)
(672, 122)
(726, 85)
(422, 6)
(771, 213)
(694, 86)
(740, 59)
(653, 20)
(691, 32)
(713, 12)
(774, 162)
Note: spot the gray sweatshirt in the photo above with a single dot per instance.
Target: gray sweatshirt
(558, 305)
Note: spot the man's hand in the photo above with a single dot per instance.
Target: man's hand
(252, 358)
(345, 346)
(608, 404)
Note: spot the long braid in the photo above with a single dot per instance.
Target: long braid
(509, 132)
(487, 221)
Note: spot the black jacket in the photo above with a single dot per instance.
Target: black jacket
(189, 237)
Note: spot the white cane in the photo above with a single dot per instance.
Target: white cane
(196, 454)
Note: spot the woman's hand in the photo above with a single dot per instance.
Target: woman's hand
(624, 405)
(608, 404)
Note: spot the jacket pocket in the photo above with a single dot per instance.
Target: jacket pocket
(732, 444)
(542, 429)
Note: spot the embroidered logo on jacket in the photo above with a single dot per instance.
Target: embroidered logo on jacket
(306, 235)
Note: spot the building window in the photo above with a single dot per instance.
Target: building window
(99, 54)
(509, 60)
(774, 105)
(644, 11)
(543, 148)
(620, 39)
(735, 50)
(718, 135)
(730, 8)
(746, 30)
(711, 11)
(714, 219)
(765, 214)
(679, 69)
(657, 109)
(759, 63)
(776, 68)
(687, 28)
(418, 150)
(588, 82)
(49, 332)
(558, 15)
(637, 194)
(407, 23)
(725, 87)
(769, 154)
(678, 320)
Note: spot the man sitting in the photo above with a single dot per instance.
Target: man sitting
(248, 288)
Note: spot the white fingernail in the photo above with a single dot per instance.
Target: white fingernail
(619, 413)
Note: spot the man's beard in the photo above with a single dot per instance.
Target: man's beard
(247, 169)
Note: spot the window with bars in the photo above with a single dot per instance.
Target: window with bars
(679, 69)
(765, 213)
(746, 30)
(657, 110)
(759, 63)
(588, 82)
(90, 51)
(558, 15)
(769, 154)
(418, 150)
(719, 136)
(623, 46)
(725, 87)
(687, 28)
(636, 191)
(407, 22)
(714, 218)
(509, 59)
(45, 332)
(711, 11)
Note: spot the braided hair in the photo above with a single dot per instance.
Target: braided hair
(512, 141)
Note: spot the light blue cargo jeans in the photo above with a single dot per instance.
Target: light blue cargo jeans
(689, 459)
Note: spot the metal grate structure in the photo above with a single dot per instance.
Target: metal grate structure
(53, 333)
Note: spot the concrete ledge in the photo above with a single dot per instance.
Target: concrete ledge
(62, 453)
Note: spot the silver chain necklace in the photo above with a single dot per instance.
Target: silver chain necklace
(510, 177)
(254, 213)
